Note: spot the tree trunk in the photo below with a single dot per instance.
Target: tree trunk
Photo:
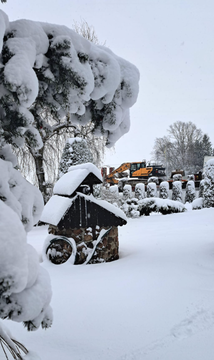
(40, 173)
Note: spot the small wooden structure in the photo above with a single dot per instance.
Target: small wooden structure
(91, 223)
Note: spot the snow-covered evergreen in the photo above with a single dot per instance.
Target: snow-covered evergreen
(25, 290)
(76, 152)
(201, 189)
(127, 192)
(164, 190)
(151, 190)
(177, 191)
(140, 191)
(209, 184)
(190, 191)
(51, 67)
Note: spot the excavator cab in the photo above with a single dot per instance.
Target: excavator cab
(136, 166)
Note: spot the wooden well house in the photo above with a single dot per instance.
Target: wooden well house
(74, 213)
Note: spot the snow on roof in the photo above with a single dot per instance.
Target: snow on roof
(70, 181)
(55, 209)
(90, 167)
(57, 206)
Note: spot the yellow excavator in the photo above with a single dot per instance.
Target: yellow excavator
(137, 171)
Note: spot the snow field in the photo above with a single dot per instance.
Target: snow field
(155, 302)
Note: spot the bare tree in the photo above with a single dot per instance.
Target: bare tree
(181, 149)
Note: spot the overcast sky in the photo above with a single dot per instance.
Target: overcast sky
(172, 44)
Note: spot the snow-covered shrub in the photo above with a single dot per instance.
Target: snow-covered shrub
(177, 190)
(209, 184)
(24, 198)
(201, 189)
(190, 177)
(198, 203)
(140, 191)
(164, 190)
(151, 190)
(130, 208)
(110, 194)
(177, 177)
(190, 191)
(127, 192)
(153, 179)
(76, 151)
(25, 290)
(163, 206)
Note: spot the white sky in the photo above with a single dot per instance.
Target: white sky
(172, 44)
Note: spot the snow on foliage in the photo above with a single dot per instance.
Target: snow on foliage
(47, 66)
(209, 184)
(163, 206)
(25, 199)
(164, 190)
(197, 204)
(151, 190)
(177, 190)
(76, 151)
(25, 290)
(190, 191)
(140, 191)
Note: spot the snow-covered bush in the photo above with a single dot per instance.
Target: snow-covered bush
(131, 208)
(198, 204)
(76, 152)
(25, 291)
(190, 177)
(190, 191)
(127, 192)
(151, 190)
(163, 206)
(177, 190)
(164, 190)
(201, 189)
(153, 179)
(209, 184)
(140, 191)
(110, 194)
(177, 177)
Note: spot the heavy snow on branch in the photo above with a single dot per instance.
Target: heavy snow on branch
(45, 66)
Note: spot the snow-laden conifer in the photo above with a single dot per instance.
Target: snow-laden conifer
(140, 191)
(209, 184)
(151, 190)
(177, 191)
(190, 191)
(201, 189)
(164, 190)
(76, 152)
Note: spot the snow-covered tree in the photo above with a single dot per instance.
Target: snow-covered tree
(190, 191)
(177, 191)
(140, 191)
(25, 290)
(164, 190)
(151, 190)
(201, 189)
(76, 152)
(127, 192)
(209, 184)
(52, 78)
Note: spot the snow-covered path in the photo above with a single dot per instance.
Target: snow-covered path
(155, 302)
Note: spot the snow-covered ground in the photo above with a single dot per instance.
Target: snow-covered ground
(155, 302)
